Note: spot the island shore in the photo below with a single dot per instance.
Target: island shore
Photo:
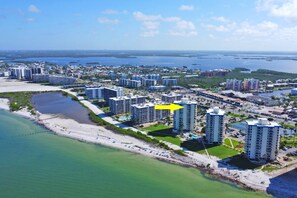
(251, 179)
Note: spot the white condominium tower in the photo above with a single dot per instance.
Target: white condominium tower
(262, 140)
(215, 126)
(185, 118)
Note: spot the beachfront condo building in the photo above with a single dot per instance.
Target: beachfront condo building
(215, 126)
(120, 105)
(103, 93)
(185, 118)
(170, 98)
(94, 92)
(146, 113)
(18, 73)
(262, 140)
(112, 92)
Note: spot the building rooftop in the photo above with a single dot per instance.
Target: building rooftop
(262, 122)
(126, 97)
(171, 94)
(215, 111)
(149, 104)
(185, 101)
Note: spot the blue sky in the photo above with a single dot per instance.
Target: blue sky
(261, 25)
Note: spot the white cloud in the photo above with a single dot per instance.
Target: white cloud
(268, 25)
(186, 7)
(220, 19)
(139, 16)
(279, 8)
(33, 8)
(218, 28)
(185, 25)
(114, 12)
(211, 36)
(30, 20)
(183, 28)
(151, 24)
(265, 29)
(150, 33)
(104, 20)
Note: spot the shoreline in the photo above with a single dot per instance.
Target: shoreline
(172, 158)
(99, 135)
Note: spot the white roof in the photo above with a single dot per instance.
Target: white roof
(262, 122)
(185, 101)
(215, 111)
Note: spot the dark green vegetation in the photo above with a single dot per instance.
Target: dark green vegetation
(70, 95)
(212, 82)
(163, 132)
(288, 126)
(242, 116)
(19, 100)
(288, 141)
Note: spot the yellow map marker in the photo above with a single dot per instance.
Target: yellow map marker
(171, 107)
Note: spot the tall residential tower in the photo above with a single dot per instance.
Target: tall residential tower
(185, 118)
(215, 126)
(262, 140)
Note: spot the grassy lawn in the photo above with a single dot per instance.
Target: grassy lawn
(242, 116)
(173, 140)
(289, 141)
(19, 100)
(163, 132)
(219, 151)
(105, 109)
(236, 144)
(156, 127)
(270, 168)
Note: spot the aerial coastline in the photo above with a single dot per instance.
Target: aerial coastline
(255, 180)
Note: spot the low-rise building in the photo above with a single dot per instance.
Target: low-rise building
(149, 82)
(61, 80)
(157, 88)
(130, 83)
(38, 78)
(294, 92)
(170, 98)
(170, 82)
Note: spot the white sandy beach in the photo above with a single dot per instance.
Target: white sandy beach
(256, 180)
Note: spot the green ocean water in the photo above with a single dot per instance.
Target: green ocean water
(36, 163)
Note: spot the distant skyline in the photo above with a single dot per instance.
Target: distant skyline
(245, 25)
